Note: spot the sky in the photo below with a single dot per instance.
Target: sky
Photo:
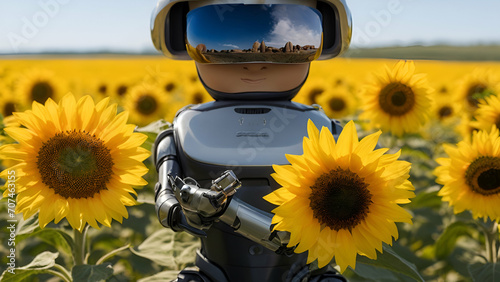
(32, 26)
(274, 25)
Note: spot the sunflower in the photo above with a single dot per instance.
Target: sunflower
(444, 109)
(443, 90)
(487, 114)
(337, 102)
(196, 94)
(8, 105)
(191, 76)
(465, 127)
(475, 86)
(471, 175)
(170, 85)
(184, 74)
(340, 198)
(313, 88)
(119, 89)
(339, 81)
(398, 101)
(146, 103)
(38, 85)
(75, 160)
(101, 88)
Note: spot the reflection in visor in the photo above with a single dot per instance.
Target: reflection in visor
(279, 33)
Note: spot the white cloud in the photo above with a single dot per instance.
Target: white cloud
(296, 31)
(231, 45)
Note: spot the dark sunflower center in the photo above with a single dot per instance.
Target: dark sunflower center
(121, 90)
(8, 109)
(169, 87)
(337, 104)
(314, 93)
(198, 98)
(483, 175)
(75, 164)
(41, 91)
(103, 89)
(445, 111)
(497, 122)
(146, 104)
(340, 199)
(475, 91)
(396, 99)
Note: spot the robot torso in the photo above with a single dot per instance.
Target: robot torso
(248, 138)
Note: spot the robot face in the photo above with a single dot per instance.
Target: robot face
(263, 33)
(253, 77)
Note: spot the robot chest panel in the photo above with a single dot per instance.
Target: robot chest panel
(245, 136)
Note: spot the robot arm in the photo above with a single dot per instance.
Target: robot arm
(167, 206)
(217, 203)
(255, 225)
(182, 205)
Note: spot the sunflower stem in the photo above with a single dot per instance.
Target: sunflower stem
(64, 273)
(64, 277)
(490, 235)
(80, 245)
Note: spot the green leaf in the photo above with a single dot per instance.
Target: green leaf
(482, 95)
(87, 272)
(484, 272)
(448, 239)
(111, 254)
(166, 248)
(426, 198)
(168, 275)
(392, 261)
(40, 264)
(24, 275)
(144, 198)
(152, 130)
(2, 126)
(365, 273)
(154, 127)
(158, 248)
(55, 237)
(44, 260)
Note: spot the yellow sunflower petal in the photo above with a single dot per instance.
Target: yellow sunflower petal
(326, 247)
(77, 132)
(468, 175)
(348, 207)
(397, 101)
(348, 140)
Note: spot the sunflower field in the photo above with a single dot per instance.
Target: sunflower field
(435, 124)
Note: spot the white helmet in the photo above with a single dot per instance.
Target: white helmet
(254, 30)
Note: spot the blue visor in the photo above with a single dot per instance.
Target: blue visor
(277, 33)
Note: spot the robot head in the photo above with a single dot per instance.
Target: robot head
(271, 31)
(225, 36)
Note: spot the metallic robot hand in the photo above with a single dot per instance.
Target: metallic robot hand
(202, 206)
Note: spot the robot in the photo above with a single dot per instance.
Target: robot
(214, 163)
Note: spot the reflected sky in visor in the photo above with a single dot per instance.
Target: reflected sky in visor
(228, 27)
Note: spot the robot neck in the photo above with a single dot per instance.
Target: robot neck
(253, 96)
